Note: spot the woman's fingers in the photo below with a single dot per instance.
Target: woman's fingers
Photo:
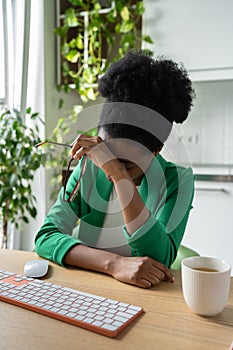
(97, 151)
(141, 271)
(143, 283)
(152, 277)
(163, 268)
(84, 142)
(157, 271)
(153, 273)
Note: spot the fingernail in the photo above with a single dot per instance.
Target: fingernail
(172, 280)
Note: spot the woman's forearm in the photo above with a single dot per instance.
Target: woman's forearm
(140, 271)
(91, 259)
(134, 211)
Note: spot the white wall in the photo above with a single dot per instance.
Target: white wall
(195, 32)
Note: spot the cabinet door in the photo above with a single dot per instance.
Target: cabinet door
(210, 226)
(205, 138)
(196, 32)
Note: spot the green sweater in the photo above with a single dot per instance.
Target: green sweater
(166, 189)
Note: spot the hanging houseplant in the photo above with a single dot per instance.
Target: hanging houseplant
(92, 34)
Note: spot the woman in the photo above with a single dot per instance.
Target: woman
(131, 209)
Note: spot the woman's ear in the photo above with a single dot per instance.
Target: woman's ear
(157, 151)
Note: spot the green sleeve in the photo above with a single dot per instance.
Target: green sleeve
(160, 237)
(54, 238)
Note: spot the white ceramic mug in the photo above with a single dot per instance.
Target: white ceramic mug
(205, 292)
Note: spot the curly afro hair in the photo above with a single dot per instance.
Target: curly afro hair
(159, 84)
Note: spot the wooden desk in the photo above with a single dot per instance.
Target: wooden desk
(167, 323)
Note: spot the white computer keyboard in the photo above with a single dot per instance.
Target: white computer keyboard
(96, 313)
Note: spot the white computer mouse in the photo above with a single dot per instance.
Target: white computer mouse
(36, 268)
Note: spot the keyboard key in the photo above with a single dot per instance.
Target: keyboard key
(109, 327)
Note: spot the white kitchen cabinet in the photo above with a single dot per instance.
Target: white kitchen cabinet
(205, 138)
(196, 32)
(210, 227)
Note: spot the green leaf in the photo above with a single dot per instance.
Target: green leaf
(97, 6)
(126, 26)
(60, 103)
(73, 74)
(76, 2)
(111, 16)
(33, 212)
(126, 46)
(73, 56)
(61, 31)
(125, 14)
(128, 38)
(91, 94)
(118, 28)
(79, 42)
(34, 116)
(148, 52)
(140, 9)
(83, 96)
(120, 52)
(65, 49)
(77, 109)
(72, 43)
(70, 18)
(147, 39)
(67, 88)
(25, 219)
(97, 44)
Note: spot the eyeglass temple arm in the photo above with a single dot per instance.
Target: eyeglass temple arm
(54, 143)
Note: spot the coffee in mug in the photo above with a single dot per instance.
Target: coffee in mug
(205, 284)
(205, 269)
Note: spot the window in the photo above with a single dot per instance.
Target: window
(2, 58)
(6, 50)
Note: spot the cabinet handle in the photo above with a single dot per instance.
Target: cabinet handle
(215, 178)
(211, 189)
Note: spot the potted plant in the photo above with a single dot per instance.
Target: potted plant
(19, 160)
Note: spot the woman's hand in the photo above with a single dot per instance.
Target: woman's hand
(140, 271)
(83, 144)
(96, 150)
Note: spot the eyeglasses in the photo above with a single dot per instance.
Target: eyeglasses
(76, 187)
(67, 173)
